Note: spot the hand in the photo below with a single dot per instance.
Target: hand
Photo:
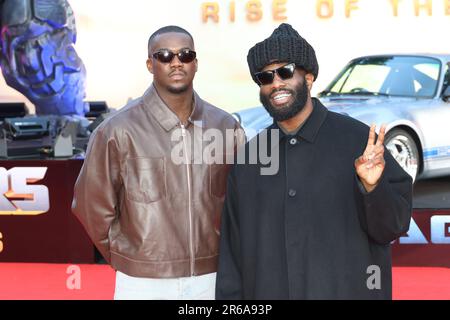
(370, 166)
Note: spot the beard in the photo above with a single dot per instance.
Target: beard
(178, 90)
(290, 110)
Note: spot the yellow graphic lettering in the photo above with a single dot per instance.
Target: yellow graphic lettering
(324, 9)
(210, 10)
(395, 7)
(350, 5)
(18, 194)
(254, 10)
(232, 11)
(279, 10)
(427, 5)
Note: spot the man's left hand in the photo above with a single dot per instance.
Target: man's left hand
(370, 166)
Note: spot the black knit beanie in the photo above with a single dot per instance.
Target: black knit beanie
(284, 45)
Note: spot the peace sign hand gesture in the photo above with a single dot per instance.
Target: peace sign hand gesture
(370, 166)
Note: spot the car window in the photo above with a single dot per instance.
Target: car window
(369, 77)
(426, 76)
(390, 75)
(447, 75)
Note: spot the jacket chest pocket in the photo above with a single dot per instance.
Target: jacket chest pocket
(146, 179)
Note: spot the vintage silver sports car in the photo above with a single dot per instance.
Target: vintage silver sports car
(409, 93)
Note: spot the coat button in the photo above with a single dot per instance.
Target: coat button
(293, 141)
(292, 193)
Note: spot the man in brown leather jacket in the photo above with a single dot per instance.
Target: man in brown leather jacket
(154, 218)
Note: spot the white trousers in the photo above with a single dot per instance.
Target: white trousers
(189, 288)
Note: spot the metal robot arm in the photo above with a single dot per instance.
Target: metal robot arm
(37, 56)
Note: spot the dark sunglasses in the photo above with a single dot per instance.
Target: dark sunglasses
(266, 77)
(166, 56)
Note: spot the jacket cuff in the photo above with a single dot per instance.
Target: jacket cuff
(379, 192)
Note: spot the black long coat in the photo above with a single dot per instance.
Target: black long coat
(311, 231)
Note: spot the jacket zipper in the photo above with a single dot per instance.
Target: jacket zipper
(191, 245)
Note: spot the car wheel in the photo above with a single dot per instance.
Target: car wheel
(403, 148)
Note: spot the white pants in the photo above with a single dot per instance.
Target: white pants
(189, 288)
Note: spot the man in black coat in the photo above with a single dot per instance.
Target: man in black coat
(321, 226)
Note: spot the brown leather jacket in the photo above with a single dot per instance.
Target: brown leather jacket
(147, 215)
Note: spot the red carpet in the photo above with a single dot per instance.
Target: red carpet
(96, 282)
(32, 281)
(421, 283)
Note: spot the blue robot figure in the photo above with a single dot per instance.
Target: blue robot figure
(37, 55)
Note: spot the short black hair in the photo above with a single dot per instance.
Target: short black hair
(167, 29)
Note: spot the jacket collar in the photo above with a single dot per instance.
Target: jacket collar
(198, 115)
(312, 125)
(165, 116)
